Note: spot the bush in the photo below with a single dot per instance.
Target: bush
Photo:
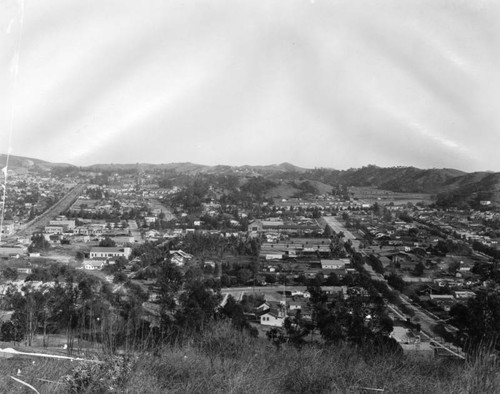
(99, 377)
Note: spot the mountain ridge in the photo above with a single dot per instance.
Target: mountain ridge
(449, 185)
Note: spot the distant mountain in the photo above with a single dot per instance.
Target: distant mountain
(451, 186)
(397, 179)
(178, 167)
(401, 179)
(193, 169)
(287, 167)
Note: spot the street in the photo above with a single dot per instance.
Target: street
(337, 226)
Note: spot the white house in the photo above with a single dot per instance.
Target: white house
(179, 257)
(275, 317)
(334, 264)
(93, 265)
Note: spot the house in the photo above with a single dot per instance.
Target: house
(337, 267)
(179, 257)
(8, 227)
(70, 224)
(80, 238)
(55, 229)
(263, 308)
(335, 290)
(463, 294)
(152, 234)
(209, 264)
(275, 317)
(107, 252)
(411, 343)
(305, 313)
(444, 301)
(12, 250)
(93, 265)
(334, 264)
(121, 239)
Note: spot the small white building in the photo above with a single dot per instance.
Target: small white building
(92, 265)
(334, 264)
(108, 252)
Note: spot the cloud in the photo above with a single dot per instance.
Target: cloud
(336, 84)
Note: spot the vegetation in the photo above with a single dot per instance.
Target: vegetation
(226, 359)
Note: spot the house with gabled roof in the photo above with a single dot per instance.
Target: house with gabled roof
(275, 316)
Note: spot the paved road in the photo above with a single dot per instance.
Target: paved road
(60, 206)
(134, 230)
(166, 211)
(337, 226)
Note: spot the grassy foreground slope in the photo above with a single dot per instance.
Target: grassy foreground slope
(228, 361)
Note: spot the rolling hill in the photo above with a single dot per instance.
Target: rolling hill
(451, 186)
(20, 162)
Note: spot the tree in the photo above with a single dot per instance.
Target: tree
(454, 267)
(198, 305)
(80, 256)
(296, 329)
(169, 282)
(396, 282)
(332, 280)
(12, 331)
(419, 269)
(244, 275)
(479, 322)
(413, 232)
(225, 280)
(9, 273)
(107, 242)
(376, 264)
(276, 336)
(38, 243)
(235, 311)
(120, 277)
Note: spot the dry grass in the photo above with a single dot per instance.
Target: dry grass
(213, 365)
(227, 361)
(44, 374)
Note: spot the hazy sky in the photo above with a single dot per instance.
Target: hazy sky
(319, 83)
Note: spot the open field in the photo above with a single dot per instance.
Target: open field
(370, 195)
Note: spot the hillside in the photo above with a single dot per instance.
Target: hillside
(471, 189)
(399, 179)
(20, 162)
(452, 186)
(225, 360)
(289, 189)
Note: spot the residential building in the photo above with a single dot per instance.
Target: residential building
(109, 252)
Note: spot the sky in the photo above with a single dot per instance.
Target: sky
(317, 83)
